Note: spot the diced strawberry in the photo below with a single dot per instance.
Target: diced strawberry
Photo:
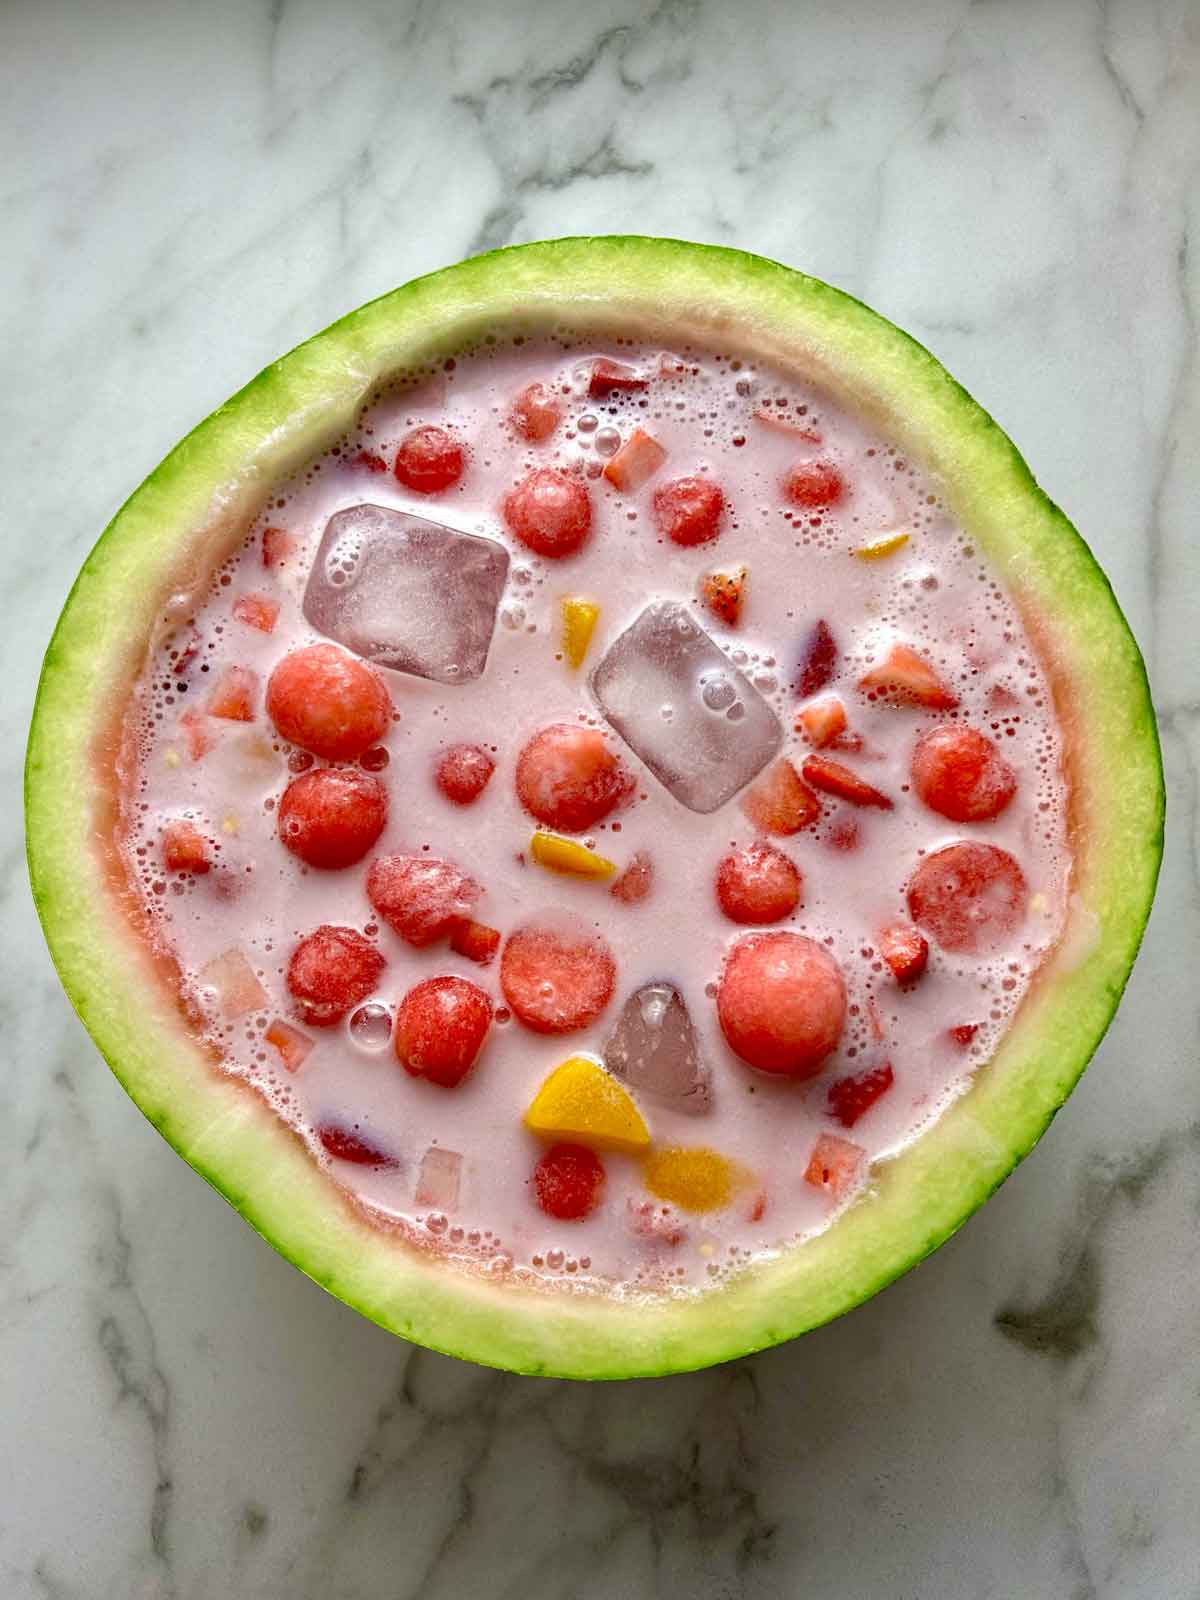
(257, 611)
(781, 1003)
(836, 1166)
(851, 1098)
(197, 730)
(959, 773)
(536, 412)
(346, 1146)
(963, 1033)
(550, 512)
(277, 545)
(905, 950)
(968, 896)
(429, 459)
(818, 661)
(421, 897)
(658, 1224)
(330, 971)
(635, 463)
(724, 593)
(831, 777)
(784, 424)
(233, 695)
(328, 702)
(441, 1027)
(332, 816)
(613, 377)
(557, 976)
(758, 883)
(843, 834)
(185, 849)
(758, 1207)
(462, 772)
(814, 485)
(822, 721)
(688, 510)
(780, 802)
(370, 462)
(1001, 698)
(568, 1182)
(291, 1044)
(569, 778)
(907, 678)
(476, 941)
(635, 883)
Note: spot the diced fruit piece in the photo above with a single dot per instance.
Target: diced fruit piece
(579, 622)
(291, 1044)
(908, 679)
(831, 777)
(653, 1049)
(688, 510)
(781, 1003)
(257, 611)
(758, 883)
(332, 816)
(968, 897)
(462, 772)
(814, 485)
(197, 732)
(609, 377)
(837, 1166)
(330, 971)
(843, 834)
(780, 802)
(440, 1179)
(959, 773)
(557, 975)
(421, 897)
(724, 593)
(550, 512)
(637, 880)
(635, 463)
(328, 702)
(238, 990)
(758, 1207)
(963, 1033)
(851, 1098)
(343, 1145)
(821, 721)
(659, 1225)
(233, 695)
(568, 1182)
(818, 661)
(582, 1103)
(441, 1027)
(785, 424)
(185, 849)
(693, 1179)
(277, 546)
(429, 460)
(476, 941)
(879, 549)
(905, 950)
(568, 777)
(565, 855)
(370, 462)
(536, 412)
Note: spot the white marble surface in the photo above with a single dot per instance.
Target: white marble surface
(190, 189)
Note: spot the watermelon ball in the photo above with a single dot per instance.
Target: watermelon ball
(421, 898)
(462, 773)
(781, 1003)
(688, 510)
(968, 897)
(429, 460)
(332, 816)
(328, 702)
(568, 1181)
(557, 977)
(814, 485)
(758, 883)
(959, 773)
(330, 972)
(536, 412)
(549, 511)
(441, 1026)
(568, 777)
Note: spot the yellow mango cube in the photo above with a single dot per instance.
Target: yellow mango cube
(579, 622)
(877, 549)
(582, 1103)
(566, 855)
(693, 1179)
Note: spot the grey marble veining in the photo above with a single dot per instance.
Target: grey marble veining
(187, 191)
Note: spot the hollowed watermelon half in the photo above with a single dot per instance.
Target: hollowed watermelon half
(196, 506)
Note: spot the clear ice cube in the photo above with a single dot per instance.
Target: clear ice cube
(653, 1049)
(698, 723)
(439, 1178)
(407, 593)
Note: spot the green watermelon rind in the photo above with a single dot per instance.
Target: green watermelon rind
(193, 508)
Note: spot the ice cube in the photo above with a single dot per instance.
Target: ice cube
(439, 1178)
(653, 1049)
(698, 723)
(407, 593)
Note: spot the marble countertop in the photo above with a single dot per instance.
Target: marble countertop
(191, 189)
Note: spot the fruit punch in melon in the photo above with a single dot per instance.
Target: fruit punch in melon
(606, 806)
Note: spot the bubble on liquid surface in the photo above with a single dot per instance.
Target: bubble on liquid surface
(371, 1026)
